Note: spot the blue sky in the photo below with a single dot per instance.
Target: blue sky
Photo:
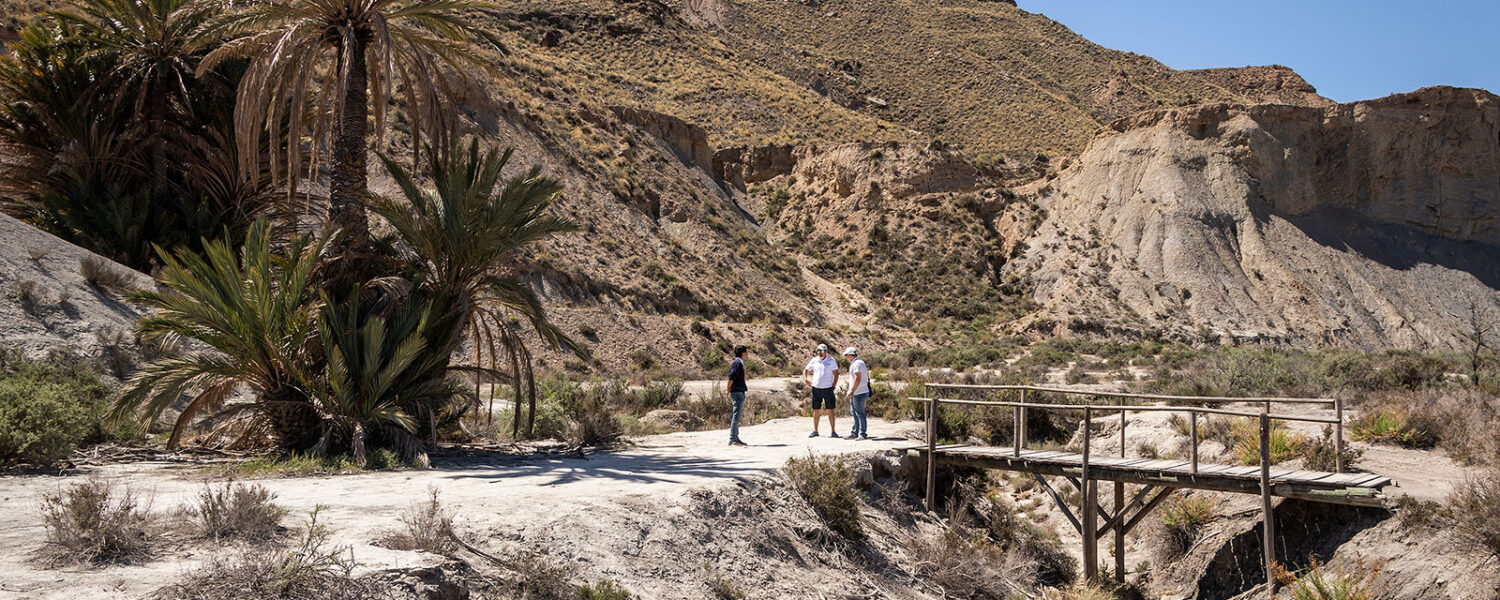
(1348, 50)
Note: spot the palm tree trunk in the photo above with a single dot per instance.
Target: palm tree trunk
(348, 183)
(357, 444)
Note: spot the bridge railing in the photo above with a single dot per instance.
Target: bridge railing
(1184, 404)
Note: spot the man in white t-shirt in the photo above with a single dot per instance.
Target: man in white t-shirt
(859, 394)
(821, 374)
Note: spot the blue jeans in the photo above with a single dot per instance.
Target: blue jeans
(857, 410)
(734, 419)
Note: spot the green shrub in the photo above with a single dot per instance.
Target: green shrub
(1284, 445)
(95, 522)
(237, 510)
(1390, 426)
(47, 408)
(827, 483)
(1358, 583)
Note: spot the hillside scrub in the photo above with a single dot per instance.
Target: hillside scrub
(827, 484)
(48, 408)
(1462, 422)
(1475, 508)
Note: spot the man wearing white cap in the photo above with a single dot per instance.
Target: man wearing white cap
(821, 374)
(859, 394)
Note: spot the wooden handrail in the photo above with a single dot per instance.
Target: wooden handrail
(1077, 392)
(1106, 407)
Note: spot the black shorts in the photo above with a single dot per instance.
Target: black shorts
(822, 398)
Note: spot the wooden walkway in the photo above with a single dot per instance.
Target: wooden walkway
(1358, 489)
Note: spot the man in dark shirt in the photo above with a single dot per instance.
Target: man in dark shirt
(737, 389)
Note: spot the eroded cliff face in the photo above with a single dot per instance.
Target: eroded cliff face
(1370, 224)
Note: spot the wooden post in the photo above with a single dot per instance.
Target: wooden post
(1268, 526)
(1024, 420)
(1015, 433)
(1119, 505)
(1119, 532)
(932, 417)
(1090, 533)
(1338, 435)
(1193, 433)
(1122, 427)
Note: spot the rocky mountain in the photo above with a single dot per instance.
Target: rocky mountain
(853, 171)
(1370, 224)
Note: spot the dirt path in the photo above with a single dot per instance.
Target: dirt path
(486, 494)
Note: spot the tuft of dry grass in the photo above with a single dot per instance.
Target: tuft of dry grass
(827, 483)
(1475, 506)
(96, 522)
(237, 510)
(103, 276)
(1182, 521)
(428, 527)
(309, 568)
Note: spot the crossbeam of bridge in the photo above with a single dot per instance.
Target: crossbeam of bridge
(1156, 478)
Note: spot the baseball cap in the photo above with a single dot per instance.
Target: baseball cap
(823, 348)
(851, 351)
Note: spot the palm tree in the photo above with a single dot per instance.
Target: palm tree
(259, 312)
(380, 378)
(153, 47)
(460, 236)
(331, 60)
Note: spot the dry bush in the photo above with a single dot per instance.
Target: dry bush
(307, 569)
(965, 565)
(541, 577)
(237, 510)
(1475, 506)
(1218, 429)
(592, 422)
(604, 590)
(827, 483)
(103, 276)
(1182, 521)
(29, 294)
(1416, 513)
(96, 522)
(1322, 454)
(428, 527)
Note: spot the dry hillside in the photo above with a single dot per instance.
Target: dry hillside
(1368, 224)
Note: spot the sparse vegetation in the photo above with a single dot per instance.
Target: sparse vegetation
(1358, 583)
(95, 522)
(606, 589)
(102, 276)
(1389, 426)
(239, 511)
(827, 483)
(427, 526)
(309, 568)
(721, 586)
(48, 408)
(1283, 446)
(1321, 453)
(1475, 506)
(1183, 519)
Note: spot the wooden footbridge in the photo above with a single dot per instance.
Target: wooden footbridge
(1156, 478)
